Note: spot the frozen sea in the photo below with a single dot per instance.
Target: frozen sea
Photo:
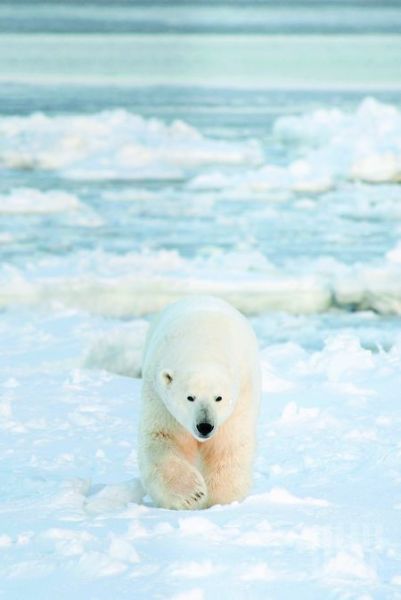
(252, 152)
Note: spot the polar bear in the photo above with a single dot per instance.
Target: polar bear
(200, 399)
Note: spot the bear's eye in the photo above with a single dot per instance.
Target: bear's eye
(191, 398)
(219, 399)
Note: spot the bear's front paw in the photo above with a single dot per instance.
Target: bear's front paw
(196, 499)
(186, 487)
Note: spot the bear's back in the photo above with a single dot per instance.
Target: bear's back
(201, 328)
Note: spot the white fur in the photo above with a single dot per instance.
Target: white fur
(201, 347)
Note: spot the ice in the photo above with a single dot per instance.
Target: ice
(100, 564)
(394, 255)
(68, 542)
(138, 284)
(31, 201)
(268, 181)
(194, 526)
(192, 594)
(114, 144)
(283, 496)
(351, 566)
(341, 358)
(6, 238)
(362, 145)
(332, 146)
(139, 296)
(259, 572)
(5, 540)
(295, 415)
(193, 570)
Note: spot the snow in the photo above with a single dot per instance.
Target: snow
(322, 519)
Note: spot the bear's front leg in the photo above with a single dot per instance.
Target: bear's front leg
(228, 456)
(169, 477)
(228, 463)
(228, 475)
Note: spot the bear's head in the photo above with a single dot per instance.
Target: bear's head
(200, 399)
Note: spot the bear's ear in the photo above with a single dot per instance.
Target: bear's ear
(166, 376)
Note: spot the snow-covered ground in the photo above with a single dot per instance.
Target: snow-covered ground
(322, 521)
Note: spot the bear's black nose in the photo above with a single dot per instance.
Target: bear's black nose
(204, 428)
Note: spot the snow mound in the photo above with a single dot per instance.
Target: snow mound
(119, 350)
(109, 498)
